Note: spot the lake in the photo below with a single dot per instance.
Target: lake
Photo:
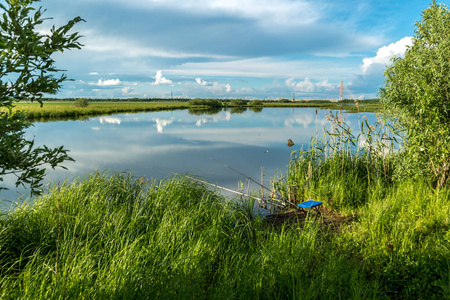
(188, 142)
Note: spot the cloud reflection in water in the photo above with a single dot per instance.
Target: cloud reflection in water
(239, 140)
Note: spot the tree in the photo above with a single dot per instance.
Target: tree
(417, 91)
(27, 72)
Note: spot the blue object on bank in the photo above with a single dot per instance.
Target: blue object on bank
(310, 204)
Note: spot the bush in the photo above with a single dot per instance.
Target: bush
(81, 102)
(205, 102)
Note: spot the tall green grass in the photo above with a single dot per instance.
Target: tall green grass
(118, 237)
(342, 169)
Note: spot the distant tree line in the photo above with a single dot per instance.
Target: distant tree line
(212, 102)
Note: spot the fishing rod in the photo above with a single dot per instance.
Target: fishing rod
(223, 188)
(249, 178)
(234, 170)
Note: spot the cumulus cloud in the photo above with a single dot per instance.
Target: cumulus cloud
(308, 86)
(367, 84)
(385, 54)
(160, 79)
(108, 82)
(202, 82)
(208, 89)
(128, 91)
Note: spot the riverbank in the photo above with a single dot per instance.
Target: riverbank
(119, 237)
(67, 109)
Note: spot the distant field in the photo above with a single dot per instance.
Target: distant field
(67, 109)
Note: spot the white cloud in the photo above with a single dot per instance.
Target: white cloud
(366, 85)
(385, 54)
(202, 82)
(128, 91)
(109, 82)
(228, 88)
(302, 86)
(93, 73)
(160, 79)
(307, 86)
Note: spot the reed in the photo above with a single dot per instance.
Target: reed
(341, 169)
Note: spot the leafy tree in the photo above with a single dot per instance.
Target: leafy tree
(256, 103)
(205, 102)
(238, 102)
(27, 71)
(417, 90)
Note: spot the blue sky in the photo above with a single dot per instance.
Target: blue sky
(265, 49)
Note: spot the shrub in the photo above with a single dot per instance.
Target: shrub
(81, 102)
(256, 103)
(205, 102)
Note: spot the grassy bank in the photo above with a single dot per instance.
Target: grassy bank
(118, 237)
(67, 109)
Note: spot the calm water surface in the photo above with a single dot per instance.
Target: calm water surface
(182, 142)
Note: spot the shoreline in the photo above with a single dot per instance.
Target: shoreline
(67, 109)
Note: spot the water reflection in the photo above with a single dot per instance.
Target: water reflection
(110, 120)
(256, 109)
(208, 111)
(182, 142)
(160, 124)
(238, 110)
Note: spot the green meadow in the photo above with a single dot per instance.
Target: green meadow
(49, 110)
(67, 109)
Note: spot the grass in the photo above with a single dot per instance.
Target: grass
(66, 109)
(120, 237)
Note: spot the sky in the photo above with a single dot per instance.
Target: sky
(250, 49)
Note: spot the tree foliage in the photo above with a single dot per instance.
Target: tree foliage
(238, 102)
(205, 102)
(27, 72)
(417, 89)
